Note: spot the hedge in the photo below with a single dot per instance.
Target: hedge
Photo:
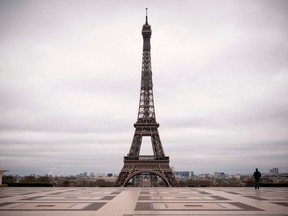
(30, 184)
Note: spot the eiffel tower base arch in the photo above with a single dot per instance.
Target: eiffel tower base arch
(134, 166)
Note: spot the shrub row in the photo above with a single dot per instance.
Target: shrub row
(30, 184)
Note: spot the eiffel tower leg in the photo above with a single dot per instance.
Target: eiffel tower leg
(171, 179)
(120, 181)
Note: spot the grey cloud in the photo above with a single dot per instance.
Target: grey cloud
(64, 124)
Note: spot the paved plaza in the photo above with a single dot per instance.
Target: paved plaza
(143, 201)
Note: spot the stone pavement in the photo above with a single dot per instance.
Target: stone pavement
(143, 201)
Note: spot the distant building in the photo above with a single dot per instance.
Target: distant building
(183, 174)
(219, 174)
(274, 171)
(1, 175)
(204, 175)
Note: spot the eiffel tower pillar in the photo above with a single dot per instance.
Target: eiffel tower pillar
(146, 125)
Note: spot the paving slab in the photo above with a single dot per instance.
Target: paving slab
(112, 201)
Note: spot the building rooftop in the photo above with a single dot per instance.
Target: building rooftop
(142, 201)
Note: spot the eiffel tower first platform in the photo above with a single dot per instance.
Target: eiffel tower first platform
(146, 125)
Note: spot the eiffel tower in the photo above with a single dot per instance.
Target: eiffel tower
(146, 125)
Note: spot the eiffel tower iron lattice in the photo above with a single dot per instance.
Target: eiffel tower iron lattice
(146, 125)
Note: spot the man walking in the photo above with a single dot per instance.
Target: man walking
(257, 176)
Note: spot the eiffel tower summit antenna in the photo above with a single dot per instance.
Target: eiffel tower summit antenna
(146, 126)
(146, 16)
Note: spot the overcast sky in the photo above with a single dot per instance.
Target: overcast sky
(70, 83)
